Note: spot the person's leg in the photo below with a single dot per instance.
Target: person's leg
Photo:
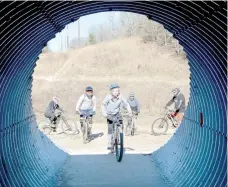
(81, 120)
(53, 120)
(128, 125)
(90, 124)
(180, 116)
(136, 117)
(110, 129)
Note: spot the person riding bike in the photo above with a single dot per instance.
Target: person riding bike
(50, 111)
(135, 107)
(111, 106)
(179, 100)
(86, 104)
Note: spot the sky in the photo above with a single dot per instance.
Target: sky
(86, 22)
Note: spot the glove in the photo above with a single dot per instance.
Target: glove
(94, 112)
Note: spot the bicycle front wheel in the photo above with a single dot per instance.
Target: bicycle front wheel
(69, 127)
(119, 144)
(159, 127)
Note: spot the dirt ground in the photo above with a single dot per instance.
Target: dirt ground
(142, 142)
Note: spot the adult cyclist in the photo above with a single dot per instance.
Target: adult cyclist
(111, 107)
(179, 107)
(87, 104)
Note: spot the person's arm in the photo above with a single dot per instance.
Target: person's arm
(94, 104)
(79, 103)
(103, 106)
(59, 108)
(169, 103)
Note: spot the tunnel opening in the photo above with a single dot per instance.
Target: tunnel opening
(145, 60)
(195, 156)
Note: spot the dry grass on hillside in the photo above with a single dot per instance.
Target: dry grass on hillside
(147, 69)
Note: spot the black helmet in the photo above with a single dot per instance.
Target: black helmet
(89, 88)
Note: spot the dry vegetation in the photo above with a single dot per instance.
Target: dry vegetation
(147, 69)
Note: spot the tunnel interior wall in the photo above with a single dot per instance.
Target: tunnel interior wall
(195, 156)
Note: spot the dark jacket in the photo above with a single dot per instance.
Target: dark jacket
(179, 101)
(50, 110)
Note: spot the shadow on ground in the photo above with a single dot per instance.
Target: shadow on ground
(103, 170)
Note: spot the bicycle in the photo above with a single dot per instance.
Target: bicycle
(131, 128)
(86, 121)
(67, 128)
(117, 138)
(162, 123)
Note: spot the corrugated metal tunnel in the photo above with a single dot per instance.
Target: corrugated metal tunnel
(197, 153)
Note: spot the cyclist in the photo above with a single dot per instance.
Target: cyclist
(135, 107)
(179, 100)
(86, 104)
(111, 106)
(50, 111)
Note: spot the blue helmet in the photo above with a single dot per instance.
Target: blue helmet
(89, 88)
(112, 86)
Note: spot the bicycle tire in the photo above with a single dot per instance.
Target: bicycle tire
(46, 129)
(71, 129)
(164, 130)
(85, 132)
(119, 145)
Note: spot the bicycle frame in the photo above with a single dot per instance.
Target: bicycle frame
(170, 117)
(116, 125)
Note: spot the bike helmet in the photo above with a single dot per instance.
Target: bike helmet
(131, 94)
(55, 99)
(89, 88)
(112, 86)
(176, 91)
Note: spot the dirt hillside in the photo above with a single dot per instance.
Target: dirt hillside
(149, 70)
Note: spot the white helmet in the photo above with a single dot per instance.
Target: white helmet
(55, 99)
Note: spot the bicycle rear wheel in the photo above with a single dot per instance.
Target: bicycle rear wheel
(159, 127)
(69, 127)
(119, 144)
(46, 128)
